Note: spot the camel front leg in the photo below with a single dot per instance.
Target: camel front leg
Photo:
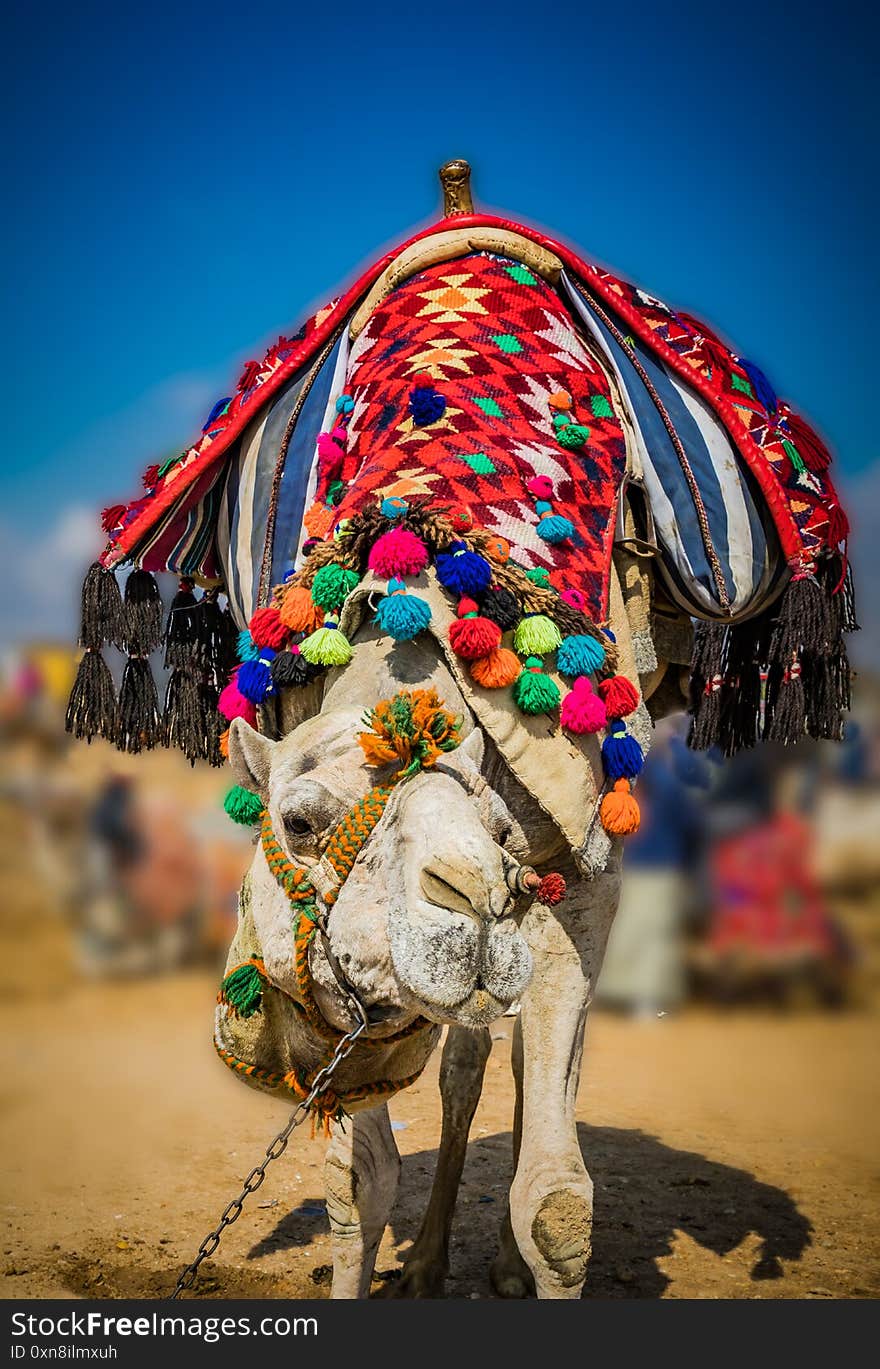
(551, 1198)
(361, 1170)
(461, 1082)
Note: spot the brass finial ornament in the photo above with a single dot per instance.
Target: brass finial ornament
(455, 178)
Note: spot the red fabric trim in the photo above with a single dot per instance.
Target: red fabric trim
(789, 535)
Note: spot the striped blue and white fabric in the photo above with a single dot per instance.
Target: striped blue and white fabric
(740, 525)
(260, 522)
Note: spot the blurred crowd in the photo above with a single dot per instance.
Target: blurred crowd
(754, 879)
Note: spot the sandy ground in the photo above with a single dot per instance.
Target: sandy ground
(733, 1155)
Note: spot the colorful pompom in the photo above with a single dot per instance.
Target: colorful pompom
(501, 606)
(332, 585)
(541, 486)
(290, 669)
(254, 678)
(619, 696)
(330, 455)
(498, 548)
(536, 635)
(551, 889)
(246, 648)
(398, 553)
(500, 668)
(579, 655)
(223, 743)
(622, 757)
(461, 519)
(574, 598)
(344, 405)
(472, 636)
(619, 811)
(243, 806)
(298, 611)
(426, 404)
(534, 691)
(582, 709)
(242, 991)
(233, 704)
(553, 528)
(267, 628)
(572, 435)
(403, 616)
(464, 572)
(394, 507)
(539, 576)
(328, 646)
(560, 401)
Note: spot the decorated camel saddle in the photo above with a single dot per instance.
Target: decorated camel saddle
(442, 556)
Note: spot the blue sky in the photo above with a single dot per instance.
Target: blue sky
(189, 180)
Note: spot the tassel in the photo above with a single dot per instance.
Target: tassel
(619, 695)
(291, 670)
(582, 710)
(472, 636)
(328, 646)
(551, 890)
(142, 614)
(181, 627)
(501, 667)
(501, 606)
(332, 585)
(788, 723)
(298, 611)
(403, 616)
(254, 678)
(553, 528)
(267, 628)
(189, 717)
(216, 636)
(534, 692)
(397, 553)
(579, 655)
(622, 757)
(707, 678)
(111, 517)
(619, 811)
(101, 613)
(465, 573)
(243, 806)
(91, 708)
(138, 712)
(242, 989)
(536, 635)
(233, 704)
(810, 445)
(803, 621)
(764, 392)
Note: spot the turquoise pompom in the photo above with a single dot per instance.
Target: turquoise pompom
(579, 655)
(403, 616)
(246, 648)
(554, 528)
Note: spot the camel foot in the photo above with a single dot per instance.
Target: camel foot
(424, 1276)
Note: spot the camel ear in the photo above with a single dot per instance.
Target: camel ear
(250, 755)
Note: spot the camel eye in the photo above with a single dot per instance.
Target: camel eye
(296, 826)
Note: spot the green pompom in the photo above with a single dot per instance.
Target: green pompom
(536, 634)
(539, 576)
(534, 691)
(327, 646)
(573, 435)
(242, 990)
(332, 585)
(243, 805)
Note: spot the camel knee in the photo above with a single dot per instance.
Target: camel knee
(552, 1221)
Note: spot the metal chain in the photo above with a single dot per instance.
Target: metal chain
(274, 1151)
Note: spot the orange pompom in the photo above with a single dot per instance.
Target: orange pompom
(224, 743)
(501, 667)
(619, 811)
(560, 400)
(298, 612)
(497, 548)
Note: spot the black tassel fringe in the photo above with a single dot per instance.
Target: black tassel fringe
(142, 613)
(139, 727)
(91, 708)
(101, 618)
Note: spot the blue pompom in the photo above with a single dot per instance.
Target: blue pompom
(464, 572)
(426, 406)
(579, 655)
(254, 678)
(403, 616)
(394, 507)
(246, 647)
(344, 404)
(622, 757)
(554, 528)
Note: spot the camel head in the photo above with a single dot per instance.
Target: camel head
(424, 922)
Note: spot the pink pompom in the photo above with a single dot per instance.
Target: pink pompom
(398, 553)
(329, 451)
(582, 709)
(233, 704)
(619, 695)
(541, 486)
(573, 598)
(267, 629)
